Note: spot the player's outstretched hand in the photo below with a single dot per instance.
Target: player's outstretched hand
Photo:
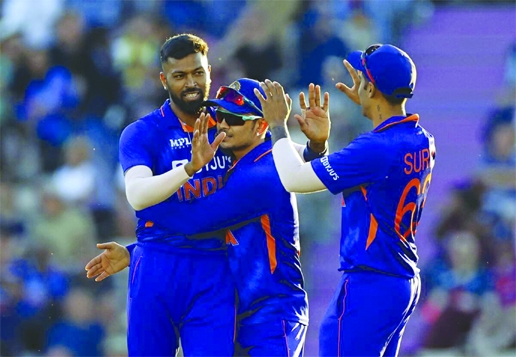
(202, 150)
(352, 92)
(276, 105)
(315, 118)
(113, 259)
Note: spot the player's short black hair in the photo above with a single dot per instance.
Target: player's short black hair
(180, 46)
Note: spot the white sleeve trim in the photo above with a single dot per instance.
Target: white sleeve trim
(296, 175)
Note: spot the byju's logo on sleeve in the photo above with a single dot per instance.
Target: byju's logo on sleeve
(180, 143)
(329, 169)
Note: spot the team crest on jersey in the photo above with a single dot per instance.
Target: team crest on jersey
(235, 85)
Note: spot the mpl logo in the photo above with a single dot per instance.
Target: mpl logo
(180, 143)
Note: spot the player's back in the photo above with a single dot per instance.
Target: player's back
(384, 176)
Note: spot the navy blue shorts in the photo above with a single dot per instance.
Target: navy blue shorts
(183, 295)
(367, 315)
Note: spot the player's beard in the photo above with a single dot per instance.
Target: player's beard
(190, 107)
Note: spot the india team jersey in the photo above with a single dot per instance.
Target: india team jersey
(383, 176)
(162, 142)
(259, 220)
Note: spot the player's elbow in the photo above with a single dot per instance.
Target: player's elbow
(288, 184)
(134, 200)
(135, 204)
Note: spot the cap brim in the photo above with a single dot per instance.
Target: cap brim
(230, 107)
(355, 60)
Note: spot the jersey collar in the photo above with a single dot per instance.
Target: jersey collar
(254, 155)
(173, 121)
(396, 120)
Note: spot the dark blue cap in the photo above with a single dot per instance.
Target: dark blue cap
(392, 70)
(245, 87)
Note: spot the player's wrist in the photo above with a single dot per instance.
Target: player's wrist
(316, 151)
(319, 147)
(190, 169)
(278, 132)
(127, 258)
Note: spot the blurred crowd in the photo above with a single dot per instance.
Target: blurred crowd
(469, 304)
(74, 73)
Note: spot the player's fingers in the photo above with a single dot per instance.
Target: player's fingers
(279, 89)
(107, 245)
(259, 95)
(95, 267)
(102, 276)
(92, 263)
(271, 88)
(265, 89)
(301, 121)
(197, 123)
(352, 72)
(202, 124)
(302, 101)
(343, 88)
(92, 274)
(206, 124)
(218, 140)
(94, 271)
(195, 138)
(326, 105)
(289, 101)
(317, 95)
(311, 95)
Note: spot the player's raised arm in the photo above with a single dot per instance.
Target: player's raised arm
(296, 176)
(143, 189)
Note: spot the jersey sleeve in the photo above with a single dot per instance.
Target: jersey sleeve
(136, 146)
(361, 162)
(246, 195)
(130, 248)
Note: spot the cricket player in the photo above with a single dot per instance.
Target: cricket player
(383, 177)
(178, 287)
(259, 220)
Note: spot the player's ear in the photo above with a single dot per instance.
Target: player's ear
(262, 127)
(371, 89)
(163, 80)
(208, 75)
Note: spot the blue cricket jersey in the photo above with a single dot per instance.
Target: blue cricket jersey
(263, 237)
(384, 176)
(162, 142)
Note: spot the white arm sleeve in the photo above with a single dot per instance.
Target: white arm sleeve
(300, 150)
(144, 190)
(296, 175)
